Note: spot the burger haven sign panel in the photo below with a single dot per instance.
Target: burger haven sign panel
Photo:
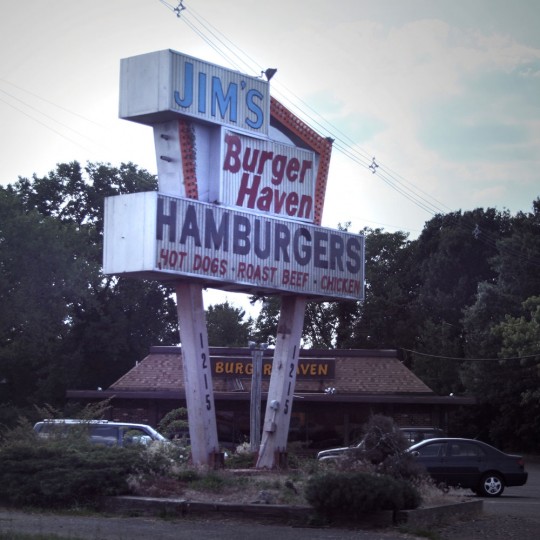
(269, 177)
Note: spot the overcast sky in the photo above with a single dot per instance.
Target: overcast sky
(444, 94)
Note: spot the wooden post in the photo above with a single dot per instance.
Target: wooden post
(197, 374)
(174, 156)
(282, 382)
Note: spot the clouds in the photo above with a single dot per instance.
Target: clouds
(443, 94)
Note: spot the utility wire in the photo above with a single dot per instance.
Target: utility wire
(46, 125)
(82, 117)
(472, 359)
(221, 44)
(31, 107)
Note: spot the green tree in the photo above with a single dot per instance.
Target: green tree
(227, 326)
(40, 276)
(383, 320)
(491, 325)
(265, 326)
(320, 323)
(507, 389)
(63, 324)
(453, 256)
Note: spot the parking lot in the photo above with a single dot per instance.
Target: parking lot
(516, 514)
(523, 501)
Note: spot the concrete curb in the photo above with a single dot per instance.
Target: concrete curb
(440, 515)
(171, 507)
(129, 505)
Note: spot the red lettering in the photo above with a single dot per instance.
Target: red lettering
(232, 161)
(256, 272)
(294, 278)
(255, 160)
(342, 285)
(171, 259)
(209, 264)
(292, 169)
(278, 201)
(246, 190)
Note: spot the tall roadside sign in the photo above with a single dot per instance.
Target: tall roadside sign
(241, 185)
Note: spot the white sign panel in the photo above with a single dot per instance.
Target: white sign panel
(154, 87)
(268, 177)
(164, 237)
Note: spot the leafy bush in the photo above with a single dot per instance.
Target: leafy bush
(175, 424)
(382, 452)
(351, 495)
(57, 473)
(382, 438)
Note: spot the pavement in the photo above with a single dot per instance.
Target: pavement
(138, 518)
(142, 528)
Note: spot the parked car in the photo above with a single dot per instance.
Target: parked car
(100, 431)
(417, 434)
(412, 435)
(470, 464)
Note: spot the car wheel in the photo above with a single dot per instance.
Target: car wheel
(491, 485)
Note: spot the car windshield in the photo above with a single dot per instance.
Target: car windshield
(431, 449)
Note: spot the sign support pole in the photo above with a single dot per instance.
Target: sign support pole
(174, 154)
(282, 383)
(197, 374)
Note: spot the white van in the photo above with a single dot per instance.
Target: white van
(100, 431)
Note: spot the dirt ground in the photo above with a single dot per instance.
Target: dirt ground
(238, 487)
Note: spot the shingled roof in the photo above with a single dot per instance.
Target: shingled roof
(356, 372)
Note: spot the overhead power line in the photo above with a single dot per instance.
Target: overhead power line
(472, 359)
(240, 60)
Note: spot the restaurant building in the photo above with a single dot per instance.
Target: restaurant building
(336, 392)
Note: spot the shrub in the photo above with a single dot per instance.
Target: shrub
(175, 424)
(351, 495)
(382, 438)
(53, 473)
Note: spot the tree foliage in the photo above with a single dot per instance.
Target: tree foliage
(63, 324)
(227, 326)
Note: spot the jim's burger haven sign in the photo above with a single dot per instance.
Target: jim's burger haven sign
(256, 229)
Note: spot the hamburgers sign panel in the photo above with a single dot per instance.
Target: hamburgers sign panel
(158, 236)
